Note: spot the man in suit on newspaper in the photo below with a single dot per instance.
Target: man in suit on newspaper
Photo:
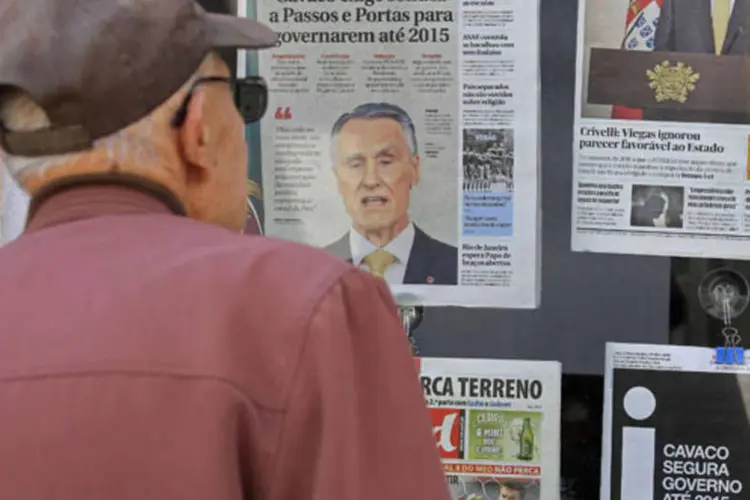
(700, 26)
(376, 164)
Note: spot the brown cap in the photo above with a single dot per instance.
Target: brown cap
(97, 66)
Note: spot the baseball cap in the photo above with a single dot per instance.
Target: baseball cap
(97, 66)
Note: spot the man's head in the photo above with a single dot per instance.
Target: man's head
(656, 204)
(376, 163)
(511, 491)
(168, 115)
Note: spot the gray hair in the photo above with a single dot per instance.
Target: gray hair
(375, 110)
(18, 112)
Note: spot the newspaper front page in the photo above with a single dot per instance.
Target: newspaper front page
(661, 136)
(676, 425)
(496, 425)
(402, 136)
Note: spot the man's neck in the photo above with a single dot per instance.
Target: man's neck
(127, 182)
(382, 237)
(97, 163)
(92, 198)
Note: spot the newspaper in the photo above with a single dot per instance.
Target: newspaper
(664, 178)
(497, 426)
(410, 127)
(675, 425)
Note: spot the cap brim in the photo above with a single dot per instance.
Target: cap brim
(240, 33)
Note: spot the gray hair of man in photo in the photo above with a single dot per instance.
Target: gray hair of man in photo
(373, 111)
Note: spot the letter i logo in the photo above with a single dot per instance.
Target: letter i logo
(638, 447)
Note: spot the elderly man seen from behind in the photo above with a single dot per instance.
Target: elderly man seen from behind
(148, 350)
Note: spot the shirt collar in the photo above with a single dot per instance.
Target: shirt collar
(85, 196)
(399, 247)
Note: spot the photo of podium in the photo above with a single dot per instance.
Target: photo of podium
(672, 86)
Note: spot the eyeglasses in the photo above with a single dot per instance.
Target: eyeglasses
(250, 97)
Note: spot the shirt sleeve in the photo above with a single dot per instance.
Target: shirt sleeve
(357, 426)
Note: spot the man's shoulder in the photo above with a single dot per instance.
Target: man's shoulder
(180, 249)
(269, 258)
(434, 244)
(276, 291)
(239, 306)
(340, 248)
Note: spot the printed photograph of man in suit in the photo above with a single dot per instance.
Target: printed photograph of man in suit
(702, 26)
(376, 164)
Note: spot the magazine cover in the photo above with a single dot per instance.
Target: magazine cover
(496, 425)
(675, 425)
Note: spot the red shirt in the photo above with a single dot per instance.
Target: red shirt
(144, 355)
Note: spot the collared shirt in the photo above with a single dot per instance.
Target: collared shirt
(399, 247)
(146, 355)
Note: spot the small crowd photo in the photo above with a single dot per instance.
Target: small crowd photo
(488, 160)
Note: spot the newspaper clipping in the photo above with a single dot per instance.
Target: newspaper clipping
(676, 425)
(661, 161)
(496, 425)
(402, 136)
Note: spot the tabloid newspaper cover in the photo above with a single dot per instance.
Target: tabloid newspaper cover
(676, 425)
(402, 136)
(661, 161)
(497, 426)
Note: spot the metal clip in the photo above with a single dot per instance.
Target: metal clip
(411, 317)
(723, 294)
(732, 353)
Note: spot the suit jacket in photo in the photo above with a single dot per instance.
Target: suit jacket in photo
(431, 262)
(687, 26)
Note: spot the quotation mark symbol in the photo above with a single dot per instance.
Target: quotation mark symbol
(283, 113)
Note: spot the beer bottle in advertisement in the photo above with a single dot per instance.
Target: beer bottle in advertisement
(526, 441)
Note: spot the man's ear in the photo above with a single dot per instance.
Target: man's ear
(194, 134)
(416, 164)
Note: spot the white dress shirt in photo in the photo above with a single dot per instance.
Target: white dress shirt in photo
(399, 247)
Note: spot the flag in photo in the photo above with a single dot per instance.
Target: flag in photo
(640, 29)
